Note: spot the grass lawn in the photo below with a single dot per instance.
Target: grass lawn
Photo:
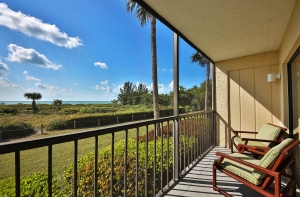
(35, 160)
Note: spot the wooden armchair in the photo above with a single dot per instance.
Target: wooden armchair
(268, 136)
(259, 174)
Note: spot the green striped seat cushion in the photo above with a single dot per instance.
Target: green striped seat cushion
(239, 169)
(269, 159)
(237, 140)
(268, 132)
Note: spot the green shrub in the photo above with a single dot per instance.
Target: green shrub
(8, 110)
(91, 110)
(33, 185)
(68, 111)
(13, 130)
(86, 169)
(58, 124)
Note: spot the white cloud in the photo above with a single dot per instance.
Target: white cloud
(4, 70)
(97, 87)
(30, 78)
(52, 88)
(44, 86)
(162, 89)
(104, 82)
(6, 83)
(31, 56)
(117, 89)
(170, 86)
(101, 65)
(165, 70)
(76, 84)
(35, 27)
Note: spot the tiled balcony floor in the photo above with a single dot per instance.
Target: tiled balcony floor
(199, 181)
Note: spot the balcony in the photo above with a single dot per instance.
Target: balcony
(180, 143)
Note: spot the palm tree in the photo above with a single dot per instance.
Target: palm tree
(144, 16)
(34, 96)
(201, 60)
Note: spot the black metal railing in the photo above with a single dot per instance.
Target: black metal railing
(154, 173)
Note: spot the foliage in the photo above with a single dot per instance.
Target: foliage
(13, 130)
(91, 110)
(58, 124)
(33, 185)
(8, 110)
(198, 58)
(96, 119)
(133, 95)
(57, 103)
(86, 169)
(68, 111)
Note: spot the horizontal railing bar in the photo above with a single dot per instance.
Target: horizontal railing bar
(8, 147)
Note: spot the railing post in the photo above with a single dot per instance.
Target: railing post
(176, 108)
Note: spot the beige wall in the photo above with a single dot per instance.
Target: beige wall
(245, 99)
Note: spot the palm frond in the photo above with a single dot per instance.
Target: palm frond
(198, 58)
(140, 13)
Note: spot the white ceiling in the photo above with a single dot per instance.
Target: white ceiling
(226, 29)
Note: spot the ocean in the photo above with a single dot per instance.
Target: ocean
(50, 102)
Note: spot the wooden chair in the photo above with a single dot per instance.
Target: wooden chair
(259, 174)
(268, 136)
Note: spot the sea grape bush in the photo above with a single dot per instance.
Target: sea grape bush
(86, 169)
(33, 185)
(58, 124)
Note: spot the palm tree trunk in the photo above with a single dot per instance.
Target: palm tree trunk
(154, 68)
(206, 84)
(154, 72)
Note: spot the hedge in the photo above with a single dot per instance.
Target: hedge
(18, 129)
(92, 120)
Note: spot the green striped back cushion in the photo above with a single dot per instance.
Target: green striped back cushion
(268, 160)
(268, 132)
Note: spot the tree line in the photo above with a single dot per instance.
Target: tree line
(192, 98)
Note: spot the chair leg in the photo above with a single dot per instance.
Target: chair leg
(231, 146)
(277, 185)
(214, 177)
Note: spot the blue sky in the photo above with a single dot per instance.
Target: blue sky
(82, 51)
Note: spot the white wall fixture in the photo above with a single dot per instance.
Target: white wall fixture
(272, 77)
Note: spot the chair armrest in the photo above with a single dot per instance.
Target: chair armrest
(260, 150)
(256, 167)
(249, 132)
(260, 140)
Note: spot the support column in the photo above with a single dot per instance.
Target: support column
(176, 108)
